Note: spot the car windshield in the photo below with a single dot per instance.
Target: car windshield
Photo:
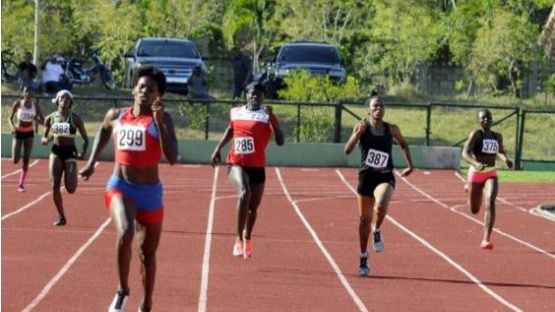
(168, 49)
(309, 54)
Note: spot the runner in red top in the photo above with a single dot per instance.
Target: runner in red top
(250, 127)
(140, 133)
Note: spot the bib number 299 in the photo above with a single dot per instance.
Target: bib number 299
(244, 145)
(131, 139)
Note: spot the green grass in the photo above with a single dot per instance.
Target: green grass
(522, 176)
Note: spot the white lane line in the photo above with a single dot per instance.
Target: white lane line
(323, 249)
(457, 266)
(518, 207)
(496, 230)
(65, 268)
(20, 210)
(203, 297)
(19, 170)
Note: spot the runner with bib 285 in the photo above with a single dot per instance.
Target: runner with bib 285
(376, 180)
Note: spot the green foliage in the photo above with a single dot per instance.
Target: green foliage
(193, 115)
(304, 87)
(504, 44)
(550, 84)
(316, 126)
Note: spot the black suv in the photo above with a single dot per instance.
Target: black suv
(315, 57)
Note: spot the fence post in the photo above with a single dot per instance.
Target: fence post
(207, 121)
(428, 124)
(298, 123)
(337, 123)
(520, 139)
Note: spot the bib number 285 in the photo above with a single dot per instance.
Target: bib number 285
(244, 145)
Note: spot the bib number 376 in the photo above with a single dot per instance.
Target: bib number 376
(377, 159)
(244, 145)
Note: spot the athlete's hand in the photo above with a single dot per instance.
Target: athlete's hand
(86, 172)
(407, 171)
(158, 110)
(508, 163)
(44, 141)
(479, 166)
(81, 156)
(216, 158)
(359, 128)
(273, 119)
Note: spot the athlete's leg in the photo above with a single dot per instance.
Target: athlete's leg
(16, 150)
(123, 217)
(365, 204)
(149, 237)
(475, 196)
(27, 149)
(70, 175)
(240, 181)
(56, 170)
(490, 194)
(382, 194)
(257, 190)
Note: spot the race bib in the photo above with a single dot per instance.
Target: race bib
(131, 138)
(244, 145)
(490, 146)
(377, 159)
(61, 129)
(26, 117)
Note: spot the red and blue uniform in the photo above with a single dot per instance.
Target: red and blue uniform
(137, 144)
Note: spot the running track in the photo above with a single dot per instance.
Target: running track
(306, 246)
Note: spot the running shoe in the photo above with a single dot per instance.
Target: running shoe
(247, 248)
(60, 222)
(363, 269)
(377, 240)
(119, 304)
(486, 245)
(20, 188)
(238, 248)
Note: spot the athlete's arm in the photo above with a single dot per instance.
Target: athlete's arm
(467, 153)
(358, 130)
(396, 133)
(216, 157)
(40, 116)
(83, 132)
(45, 136)
(101, 139)
(168, 139)
(278, 135)
(15, 107)
(502, 154)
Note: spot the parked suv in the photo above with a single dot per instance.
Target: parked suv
(176, 58)
(315, 57)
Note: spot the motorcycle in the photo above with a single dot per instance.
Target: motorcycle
(76, 72)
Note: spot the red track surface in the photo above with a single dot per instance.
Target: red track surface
(306, 247)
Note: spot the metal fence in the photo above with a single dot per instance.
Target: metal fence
(526, 133)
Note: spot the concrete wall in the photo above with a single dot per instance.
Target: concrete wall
(294, 154)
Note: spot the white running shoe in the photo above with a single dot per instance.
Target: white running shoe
(377, 240)
(119, 304)
(238, 248)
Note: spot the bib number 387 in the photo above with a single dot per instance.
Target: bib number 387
(244, 145)
(131, 138)
(376, 159)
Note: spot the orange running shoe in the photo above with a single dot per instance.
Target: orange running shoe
(247, 248)
(238, 248)
(486, 245)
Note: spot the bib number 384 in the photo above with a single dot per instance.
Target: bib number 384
(377, 159)
(131, 138)
(244, 145)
